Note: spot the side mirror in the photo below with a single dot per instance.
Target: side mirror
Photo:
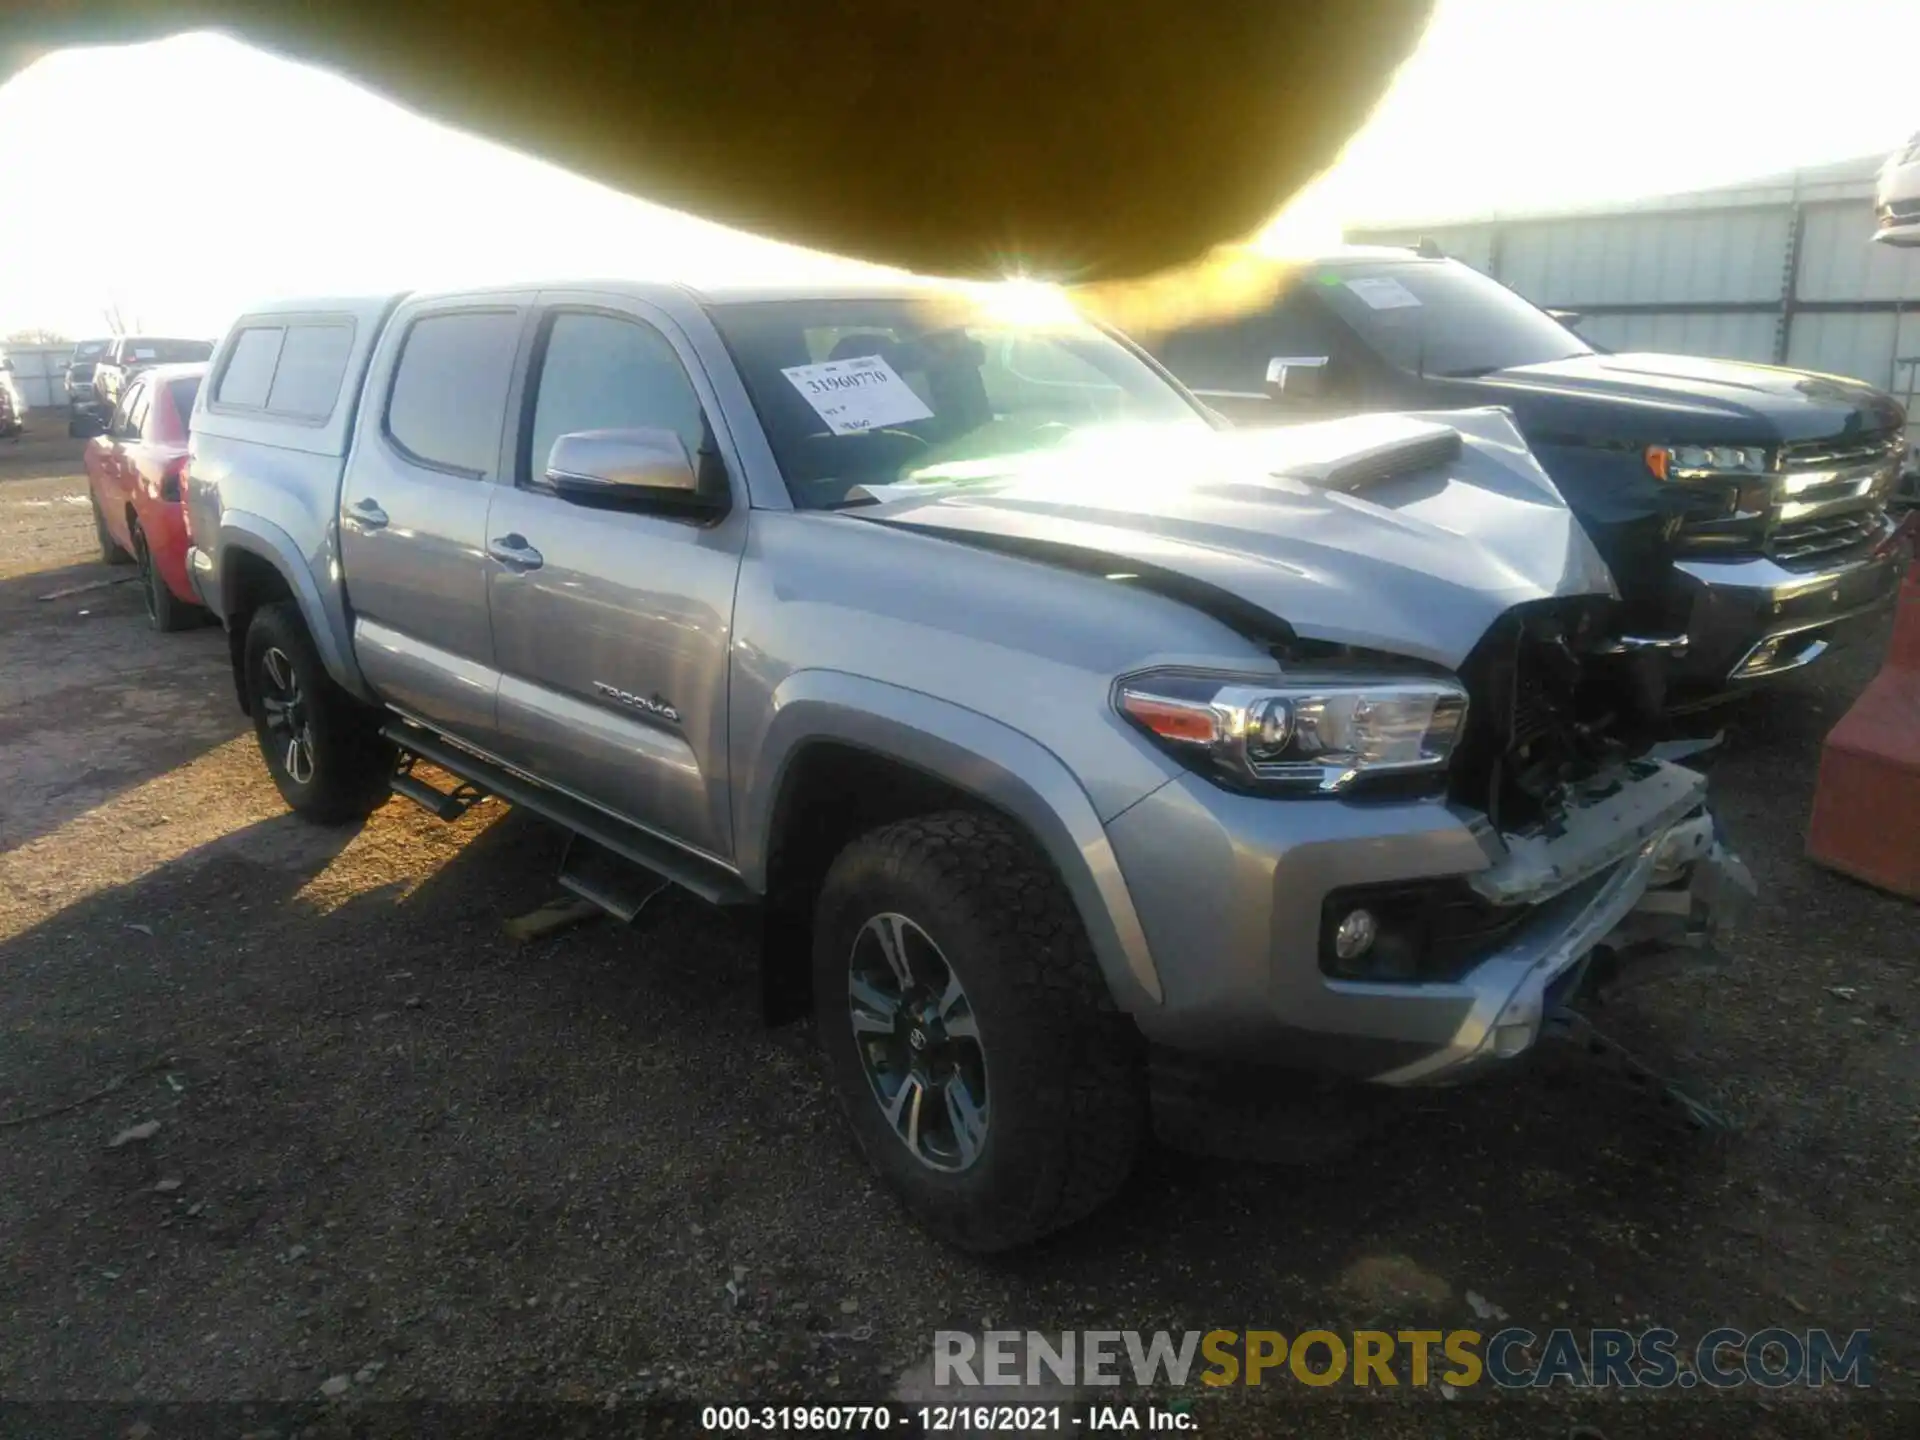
(85, 427)
(620, 468)
(1297, 377)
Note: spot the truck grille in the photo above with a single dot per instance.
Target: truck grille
(1827, 454)
(1822, 498)
(1811, 539)
(1828, 497)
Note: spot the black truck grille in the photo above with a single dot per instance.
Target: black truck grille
(1841, 454)
(1823, 500)
(1822, 539)
(1830, 495)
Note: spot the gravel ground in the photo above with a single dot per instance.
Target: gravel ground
(386, 1141)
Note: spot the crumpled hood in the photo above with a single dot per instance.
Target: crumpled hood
(1419, 564)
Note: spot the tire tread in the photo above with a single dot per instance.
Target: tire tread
(982, 864)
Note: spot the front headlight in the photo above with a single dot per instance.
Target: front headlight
(1315, 733)
(1701, 462)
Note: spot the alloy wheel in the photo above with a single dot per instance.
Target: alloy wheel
(288, 719)
(919, 1042)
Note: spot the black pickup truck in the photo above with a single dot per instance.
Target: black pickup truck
(1742, 508)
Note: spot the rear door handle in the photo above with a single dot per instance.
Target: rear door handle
(515, 553)
(369, 514)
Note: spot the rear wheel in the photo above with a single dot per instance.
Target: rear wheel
(322, 747)
(165, 611)
(967, 1031)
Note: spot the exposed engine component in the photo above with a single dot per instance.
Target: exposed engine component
(1551, 715)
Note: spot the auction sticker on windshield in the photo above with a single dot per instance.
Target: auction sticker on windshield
(856, 394)
(1382, 292)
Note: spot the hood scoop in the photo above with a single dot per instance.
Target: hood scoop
(1409, 447)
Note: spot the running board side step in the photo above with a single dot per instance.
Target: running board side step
(587, 870)
(614, 883)
(448, 805)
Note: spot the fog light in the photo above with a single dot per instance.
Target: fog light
(1355, 934)
(1510, 1040)
(1761, 657)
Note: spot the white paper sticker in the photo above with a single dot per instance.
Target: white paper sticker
(856, 394)
(1384, 293)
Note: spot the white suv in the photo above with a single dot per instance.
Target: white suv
(1896, 201)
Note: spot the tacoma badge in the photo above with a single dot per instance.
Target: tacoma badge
(654, 706)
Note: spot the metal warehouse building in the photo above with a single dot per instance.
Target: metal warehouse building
(1782, 271)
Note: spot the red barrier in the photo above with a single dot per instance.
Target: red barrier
(1866, 808)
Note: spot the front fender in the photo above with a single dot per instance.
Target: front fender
(322, 607)
(975, 754)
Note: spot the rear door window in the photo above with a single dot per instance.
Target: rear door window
(313, 361)
(248, 375)
(124, 426)
(183, 393)
(139, 412)
(449, 394)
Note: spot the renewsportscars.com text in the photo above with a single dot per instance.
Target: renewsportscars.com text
(1511, 1358)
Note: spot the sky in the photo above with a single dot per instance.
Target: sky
(1508, 105)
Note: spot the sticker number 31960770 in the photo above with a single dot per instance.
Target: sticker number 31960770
(856, 394)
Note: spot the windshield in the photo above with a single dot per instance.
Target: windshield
(145, 350)
(856, 393)
(1442, 318)
(89, 350)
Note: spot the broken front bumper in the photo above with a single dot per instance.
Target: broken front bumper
(1679, 888)
(1230, 892)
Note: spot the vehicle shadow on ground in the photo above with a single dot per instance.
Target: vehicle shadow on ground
(370, 1068)
(96, 704)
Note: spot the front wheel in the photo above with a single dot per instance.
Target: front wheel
(968, 1034)
(322, 747)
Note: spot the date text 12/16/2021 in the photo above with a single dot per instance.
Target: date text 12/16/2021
(946, 1419)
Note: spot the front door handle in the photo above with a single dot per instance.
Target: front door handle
(515, 553)
(368, 514)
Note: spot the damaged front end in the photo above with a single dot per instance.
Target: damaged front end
(1605, 860)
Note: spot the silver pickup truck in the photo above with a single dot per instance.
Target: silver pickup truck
(1047, 724)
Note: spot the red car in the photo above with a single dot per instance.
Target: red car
(135, 478)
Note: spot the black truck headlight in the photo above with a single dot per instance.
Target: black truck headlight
(1311, 733)
(1707, 462)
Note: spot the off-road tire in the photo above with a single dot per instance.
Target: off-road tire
(166, 612)
(1066, 1076)
(110, 553)
(350, 762)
